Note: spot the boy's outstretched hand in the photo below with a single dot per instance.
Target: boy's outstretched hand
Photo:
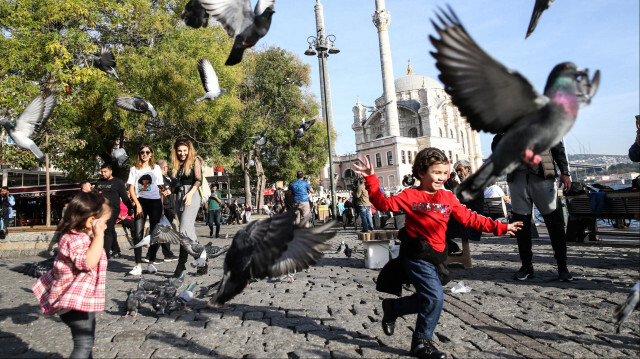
(514, 227)
(365, 169)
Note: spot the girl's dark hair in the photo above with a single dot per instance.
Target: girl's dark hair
(426, 158)
(152, 159)
(82, 206)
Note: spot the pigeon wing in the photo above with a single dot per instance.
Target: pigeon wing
(31, 117)
(165, 234)
(234, 15)
(208, 76)
(491, 96)
(106, 59)
(303, 250)
(538, 8)
(133, 104)
(306, 126)
(48, 104)
(262, 5)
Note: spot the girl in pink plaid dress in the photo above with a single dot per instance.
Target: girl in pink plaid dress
(74, 288)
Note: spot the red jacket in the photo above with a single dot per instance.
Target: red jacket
(427, 214)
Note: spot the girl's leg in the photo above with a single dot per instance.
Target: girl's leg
(152, 208)
(83, 331)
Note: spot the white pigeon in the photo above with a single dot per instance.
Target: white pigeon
(209, 81)
(201, 261)
(136, 104)
(186, 295)
(146, 241)
(29, 122)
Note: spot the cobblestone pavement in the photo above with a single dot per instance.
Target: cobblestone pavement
(333, 310)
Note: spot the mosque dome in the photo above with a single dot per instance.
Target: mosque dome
(415, 82)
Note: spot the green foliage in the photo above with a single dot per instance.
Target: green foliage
(623, 168)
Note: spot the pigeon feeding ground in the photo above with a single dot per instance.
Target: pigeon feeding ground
(333, 309)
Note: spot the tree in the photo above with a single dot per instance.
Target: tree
(275, 97)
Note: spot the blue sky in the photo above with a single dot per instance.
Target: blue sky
(596, 34)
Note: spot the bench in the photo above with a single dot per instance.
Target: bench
(617, 205)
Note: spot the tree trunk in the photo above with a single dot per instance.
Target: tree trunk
(245, 165)
(260, 184)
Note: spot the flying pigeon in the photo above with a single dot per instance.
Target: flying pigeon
(261, 140)
(119, 156)
(209, 81)
(35, 269)
(105, 62)
(136, 104)
(496, 99)
(341, 247)
(195, 249)
(237, 18)
(161, 234)
(538, 8)
(624, 310)
(304, 127)
(194, 15)
(145, 242)
(30, 122)
(270, 247)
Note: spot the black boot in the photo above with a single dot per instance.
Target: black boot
(424, 349)
(524, 246)
(557, 235)
(388, 316)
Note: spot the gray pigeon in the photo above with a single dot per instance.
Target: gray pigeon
(496, 99)
(304, 127)
(261, 140)
(194, 15)
(624, 310)
(270, 247)
(119, 156)
(347, 251)
(105, 62)
(134, 302)
(237, 18)
(175, 283)
(209, 81)
(200, 261)
(195, 249)
(136, 104)
(186, 295)
(30, 122)
(35, 269)
(538, 8)
(147, 286)
(160, 302)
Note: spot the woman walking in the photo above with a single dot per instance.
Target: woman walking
(186, 172)
(145, 183)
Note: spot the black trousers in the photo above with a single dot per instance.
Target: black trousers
(151, 208)
(83, 331)
(214, 219)
(110, 236)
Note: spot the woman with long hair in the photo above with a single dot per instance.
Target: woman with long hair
(145, 185)
(186, 174)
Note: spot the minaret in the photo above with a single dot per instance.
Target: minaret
(382, 19)
(325, 83)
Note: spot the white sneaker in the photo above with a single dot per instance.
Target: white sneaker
(151, 268)
(137, 270)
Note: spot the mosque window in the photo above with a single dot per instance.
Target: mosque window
(410, 159)
(413, 132)
(389, 158)
(404, 160)
(378, 160)
(381, 182)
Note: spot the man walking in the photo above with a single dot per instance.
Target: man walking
(213, 206)
(7, 201)
(299, 191)
(364, 206)
(112, 189)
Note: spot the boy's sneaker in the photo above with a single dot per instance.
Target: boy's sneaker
(424, 348)
(524, 273)
(137, 270)
(565, 276)
(151, 268)
(170, 257)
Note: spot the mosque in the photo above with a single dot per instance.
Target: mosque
(413, 112)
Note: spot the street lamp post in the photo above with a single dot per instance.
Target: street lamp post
(321, 45)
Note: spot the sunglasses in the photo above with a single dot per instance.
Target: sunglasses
(145, 152)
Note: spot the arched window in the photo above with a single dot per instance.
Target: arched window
(404, 160)
(389, 158)
(379, 136)
(381, 182)
(378, 160)
(413, 132)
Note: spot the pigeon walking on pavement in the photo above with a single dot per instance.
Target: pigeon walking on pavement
(105, 62)
(538, 8)
(347, 251)
(624, 310)
(185, 296)
(160, 302)
(270, 247)
(134, 302)
(496, 99)
(304, 127)
(209, 81)
(30, 122)
(136, 104)
(147, 286)
(35, 269)
(246, 26)
(341, 247)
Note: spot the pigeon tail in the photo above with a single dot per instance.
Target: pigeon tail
(477, 182)
(235, 57)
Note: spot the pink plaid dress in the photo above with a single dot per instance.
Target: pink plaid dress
(72, 284)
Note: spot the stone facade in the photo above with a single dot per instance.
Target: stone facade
(426, 118)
